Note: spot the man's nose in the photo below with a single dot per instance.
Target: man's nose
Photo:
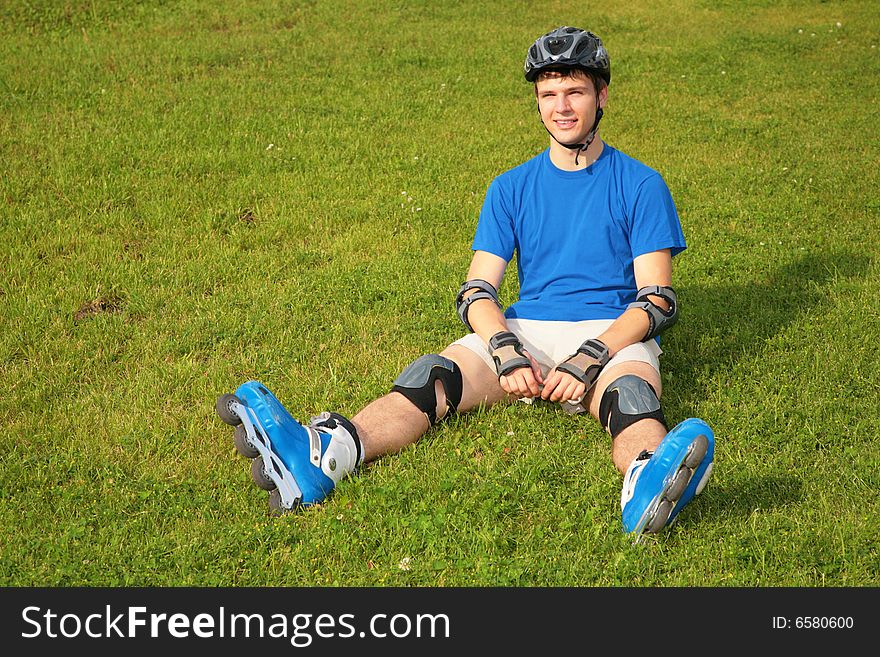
(562, 104)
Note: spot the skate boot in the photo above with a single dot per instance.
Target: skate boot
(299, 465)
(657, 485)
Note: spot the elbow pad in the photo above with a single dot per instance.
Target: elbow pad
(660, 320)
(484, 291)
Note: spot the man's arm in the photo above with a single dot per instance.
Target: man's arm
(653, 268)
(487, 320)
(650, 269)
(485, 317)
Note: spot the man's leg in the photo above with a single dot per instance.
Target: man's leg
(662, 471)
(301, 464)
(390, 423)
(642, 435)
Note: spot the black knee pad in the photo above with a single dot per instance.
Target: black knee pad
(626, 401)
(416, 383)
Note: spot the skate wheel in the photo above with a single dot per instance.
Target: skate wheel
(227, 414)
(660, 517)
(275, 507)
(679, 483)
(258, 474)
(698, 452)
(243, 445)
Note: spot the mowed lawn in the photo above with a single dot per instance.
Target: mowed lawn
(196, 194)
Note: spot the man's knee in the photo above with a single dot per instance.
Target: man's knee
(626, 400)
(481, 387)
(421, 381)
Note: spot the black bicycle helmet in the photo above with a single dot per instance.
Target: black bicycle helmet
(568, 47)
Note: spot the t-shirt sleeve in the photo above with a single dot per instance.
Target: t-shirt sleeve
(495, 226)
(654, 219)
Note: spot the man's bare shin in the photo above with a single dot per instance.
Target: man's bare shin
(392, 422)
(643, 435)
(388, 424)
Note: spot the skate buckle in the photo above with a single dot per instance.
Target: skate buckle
(314, 446)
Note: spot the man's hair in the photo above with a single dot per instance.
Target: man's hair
(563, 72)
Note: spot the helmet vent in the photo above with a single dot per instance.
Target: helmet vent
(559, 44)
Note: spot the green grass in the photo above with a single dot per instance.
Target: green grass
(194, 194)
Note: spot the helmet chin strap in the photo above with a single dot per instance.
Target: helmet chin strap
(579, 148)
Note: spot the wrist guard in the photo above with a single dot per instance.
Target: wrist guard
(586, 364)
(508, 353)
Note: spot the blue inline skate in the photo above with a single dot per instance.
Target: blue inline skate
(658, 485)
(299, 465)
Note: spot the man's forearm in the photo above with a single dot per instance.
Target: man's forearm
(487, 319)
(627, 329)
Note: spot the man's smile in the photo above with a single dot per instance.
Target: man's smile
(565, 123)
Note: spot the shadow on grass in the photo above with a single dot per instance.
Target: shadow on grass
(743, 496)
(722, 325)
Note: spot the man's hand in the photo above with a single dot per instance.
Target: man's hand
(518, 372)
(562, 387)
(573, 378)
(525, 381)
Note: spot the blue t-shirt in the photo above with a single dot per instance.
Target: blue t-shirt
(576, 233)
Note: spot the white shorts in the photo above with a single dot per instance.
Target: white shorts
(550, 342)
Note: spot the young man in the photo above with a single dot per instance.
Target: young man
(594, 232)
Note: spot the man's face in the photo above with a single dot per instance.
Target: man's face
(568, 106)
